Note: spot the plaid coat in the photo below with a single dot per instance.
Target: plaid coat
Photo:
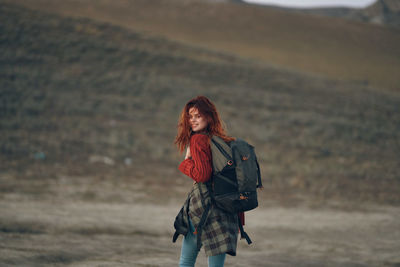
(219, 232)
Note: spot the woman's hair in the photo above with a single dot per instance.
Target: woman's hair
(206, 109)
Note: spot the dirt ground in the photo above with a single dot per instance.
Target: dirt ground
(65, 229)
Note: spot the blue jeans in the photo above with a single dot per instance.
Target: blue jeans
(189, 251)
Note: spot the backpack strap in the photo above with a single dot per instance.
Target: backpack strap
(226, 155)
(259, 183)
(199, 228)
(243, 233)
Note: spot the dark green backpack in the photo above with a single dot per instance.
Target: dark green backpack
(236, 177)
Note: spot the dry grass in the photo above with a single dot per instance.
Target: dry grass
(88, 173)
(71, 96)
(333, 47)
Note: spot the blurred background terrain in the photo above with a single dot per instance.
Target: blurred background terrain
(91, 92)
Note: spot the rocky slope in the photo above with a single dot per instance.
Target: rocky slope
(382, 12)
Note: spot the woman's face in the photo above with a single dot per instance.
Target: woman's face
(196, 120)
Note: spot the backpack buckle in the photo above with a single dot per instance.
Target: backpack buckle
(242, 197)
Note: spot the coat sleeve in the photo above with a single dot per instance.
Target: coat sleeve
(199, 166)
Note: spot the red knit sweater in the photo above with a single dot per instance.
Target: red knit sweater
(199, 166)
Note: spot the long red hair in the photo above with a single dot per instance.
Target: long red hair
(206, 109)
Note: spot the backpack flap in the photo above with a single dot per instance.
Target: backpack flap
(246, 165)
(247, 174)
(221, 154)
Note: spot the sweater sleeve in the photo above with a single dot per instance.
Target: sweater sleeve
(199, 167)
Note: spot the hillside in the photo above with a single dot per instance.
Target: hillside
(87, 99)
(385, 12)
(331, 47)
(382, 12)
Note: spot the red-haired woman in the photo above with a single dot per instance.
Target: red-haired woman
(217, 232)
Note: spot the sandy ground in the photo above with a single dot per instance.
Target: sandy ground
(83, 233)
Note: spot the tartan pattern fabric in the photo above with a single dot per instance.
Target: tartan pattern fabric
(220, 231)
(198, 199)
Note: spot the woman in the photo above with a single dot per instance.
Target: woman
(199, 221)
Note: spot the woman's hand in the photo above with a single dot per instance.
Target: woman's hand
(188, 155)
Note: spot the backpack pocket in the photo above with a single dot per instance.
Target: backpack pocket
(225, 181)
(247, 201)
(227, 202)
(237, 202)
